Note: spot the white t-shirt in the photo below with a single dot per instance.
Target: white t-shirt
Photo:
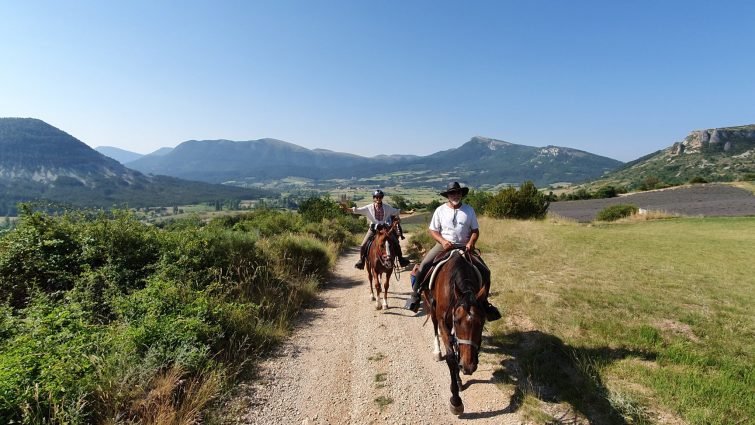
(369, 212)
(455, 225)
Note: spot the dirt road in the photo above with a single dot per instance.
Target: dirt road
(348, 363)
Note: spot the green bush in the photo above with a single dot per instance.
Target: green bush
(698, 180)
(330, 231)
(49, 365)
(125, 250)
(299, 256)
(525, 203)
(169, 324)
(615, 212)
(606, 192)
(41, 254)
(315, 209)
(197, 257)
(478, 200)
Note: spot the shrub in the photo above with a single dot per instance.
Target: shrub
(615, 212)
(197, 257)
(525, 203)
(478, 200)
(315, 209)
(698, 180)
(42, 253)
(299, 256)
(330, 231)
(47, 367)
(606, 192)
(125, 250)
(419, 244)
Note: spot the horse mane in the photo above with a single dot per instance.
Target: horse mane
(464, 279)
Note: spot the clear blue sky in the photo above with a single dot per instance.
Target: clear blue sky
(616, 78)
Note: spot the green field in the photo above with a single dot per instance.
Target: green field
(646, 322)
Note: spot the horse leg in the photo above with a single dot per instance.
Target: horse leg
(369, 275)
(436, 341)
(436, 347)
(455, 403)
(377, 289)
(386, 285)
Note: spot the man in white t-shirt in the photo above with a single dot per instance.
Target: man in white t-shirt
(378, 213)
(453, 223)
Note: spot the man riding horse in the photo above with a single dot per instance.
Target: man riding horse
(453, 223)
(378, 213)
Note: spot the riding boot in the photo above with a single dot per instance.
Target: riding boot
(492, 313)
(360, 263)
(413, 302)
(401, 260)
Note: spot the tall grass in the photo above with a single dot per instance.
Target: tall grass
(630, 321)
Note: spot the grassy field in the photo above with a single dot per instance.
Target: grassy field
(645, 322)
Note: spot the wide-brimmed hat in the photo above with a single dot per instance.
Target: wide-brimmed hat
(455, 187)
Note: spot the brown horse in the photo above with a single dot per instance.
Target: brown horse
(380, 259)
(456, 301)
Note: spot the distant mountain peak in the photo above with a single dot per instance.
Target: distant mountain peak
(492, 144)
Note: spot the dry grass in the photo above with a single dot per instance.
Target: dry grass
(587, 304)
(169, 399)
(647, 215)
(745, 185)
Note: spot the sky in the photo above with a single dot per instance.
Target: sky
(616, 78)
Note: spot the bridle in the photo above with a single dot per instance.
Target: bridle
(455, 341)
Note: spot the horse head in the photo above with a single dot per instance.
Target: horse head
(383, 243)
(468, 315)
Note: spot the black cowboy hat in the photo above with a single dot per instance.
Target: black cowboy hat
(455, 187)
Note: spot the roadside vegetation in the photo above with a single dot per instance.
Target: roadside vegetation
(106, 319)
(627, 322)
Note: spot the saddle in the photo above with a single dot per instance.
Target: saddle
(440, 260)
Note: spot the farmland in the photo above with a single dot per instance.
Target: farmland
(709, 200)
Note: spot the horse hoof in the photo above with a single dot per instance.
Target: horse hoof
(372, 298)
(378, 307)
(437, 357)
(456, 410)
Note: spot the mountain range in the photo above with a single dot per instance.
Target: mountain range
(39, 161)
(480, 162)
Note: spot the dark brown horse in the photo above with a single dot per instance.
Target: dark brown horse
(456, 301)
(380, 260)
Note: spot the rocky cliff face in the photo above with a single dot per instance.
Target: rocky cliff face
(730, 140)
(716, 154)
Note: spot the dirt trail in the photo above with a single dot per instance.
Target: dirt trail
(348, 363)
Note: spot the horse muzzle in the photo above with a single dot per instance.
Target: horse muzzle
(468, 369)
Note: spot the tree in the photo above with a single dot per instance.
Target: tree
(314, 209)
(525, 203)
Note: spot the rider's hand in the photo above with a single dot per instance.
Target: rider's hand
(470, 247)
(447, 245)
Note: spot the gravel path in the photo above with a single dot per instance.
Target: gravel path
(348, 363)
